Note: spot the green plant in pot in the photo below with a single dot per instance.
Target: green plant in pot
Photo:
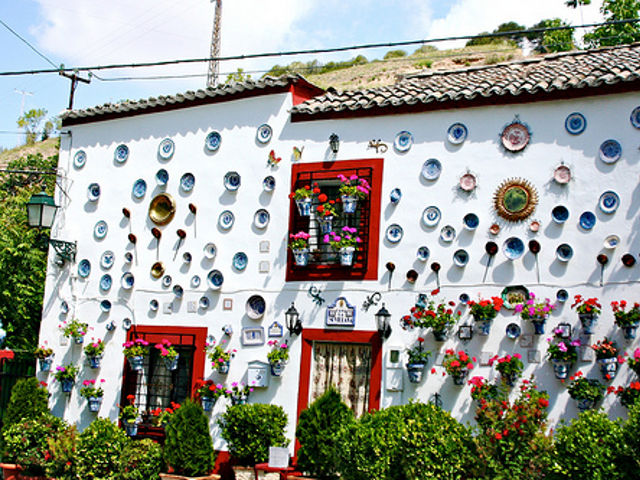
(509, 366)
(130, 416)
(587, 392)
(74, 329)
(66, 375)
(278, 356)
(94, 351)
(417, 361)
(45, 355)
(563, 353)
(220, 358)
(607, 357)
(135, 350)
(484, 311)
(588, 310)
(536, 311)
(92, 390)
(168, 353)
(627, 320)
(482, 391)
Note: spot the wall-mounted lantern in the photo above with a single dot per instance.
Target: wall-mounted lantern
(382, 322)
(292, 319)
(334, 143)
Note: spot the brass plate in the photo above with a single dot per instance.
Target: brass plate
(515, 200)
(162, 209)
(157, 270)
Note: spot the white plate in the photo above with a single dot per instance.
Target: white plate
(187, 181)
(215, 279)
(447, 234)
(431, 216)
(84, 268)
(268, 184)
(139, 188)
(261, 218)
(195, 281)
(105, 282)
(264, 133)
(107, 259)
(210, 250)
(431, 169)
(423, 253)
(79, 159)
(611, 242)
(121, 153)
(212, 142)
(394, 233)
(93, 192)
(609, 201)
(232, 181)
(226, 220)
(166, 149)
(610, 151)
(403, 141)
(575, 123)
(100, 229)
(127, 280)
(240, 261)
(457, 133)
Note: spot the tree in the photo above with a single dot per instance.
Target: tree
(552, 41)
(616, 34)
(30, 121)
(238, 76)
(514, 39)
(575, 3)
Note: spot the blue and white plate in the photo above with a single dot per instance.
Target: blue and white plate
(93, 192)
(269, 184)
(64, 307)
(562, 295)
(162, 177)
(121, 153)
(139, 188)
(610, 151)
(127, 280)
(513, 331)
(166, 281)
(240, 261)
(609, 201)
(203, 303)
(564, 252)
(403, 141)
(128, 257)
(105, 305)
(611, 242)
(513, 248)
(84, 268)
(587, 220)
(255, 307)
(226, 220)
(460, 257)
(431, 216)
(575, 123)
(560, 214)
(395, 195)
(100, 229)
(471, 221)
(215, 279)
(166, 149)
(464, 298)
(635, 117)
(79, 159)
(431, 169)
(212, 142)
(394, 233)
(457, 133)
(105, 282)
(210, 250)
(447, 234)
(232, 181)
(153, 305)
(178, 291)
(187, 257)
(107, 259)
(423, 253)
(127, 323)
(264, 133)
(261, 218)
(195, 281)
(187, 181)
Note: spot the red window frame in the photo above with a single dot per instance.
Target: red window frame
(330, 170)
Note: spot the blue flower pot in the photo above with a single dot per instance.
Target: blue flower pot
(346, 256)
(94, 362)
(301, 257)
(630, 332)
(459, 379)
(304, 207)
(608, 368)
(440, 335)
(45, 363)
(326, 224)
(223, 368)
(131, 428)
(67, 385)
(585, 404)
(171, 364)
(94, 404)
(415, 371)
(538, 326)
(136, 363)
(485, 327)
(277, 368)
(349, 203)
(561, 369)
(239, 399)
(588, 320)
(207, 403)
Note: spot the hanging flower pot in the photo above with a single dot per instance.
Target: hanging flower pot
(561, 369)
(136, 363)
(67, 385)
(584, 404)
(45, 363)
(484, 324)
(94, 404)
(538, 325)
(207, 403)
(131, 428)
(277, 368)
(346, 256)
(171, 363)
(239, 399)
(510, 378)
(349, 203)
(629, 332)
(587, 320)
(326, 224)
(415, 371)
(79, 340)
(440, 335)
(301, 257)
(608, 368)
(304, 206)
(460, 377)
(94, 361)
(223, 367)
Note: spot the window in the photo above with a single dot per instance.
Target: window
(323, 263)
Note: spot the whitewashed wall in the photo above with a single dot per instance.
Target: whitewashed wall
(607, 117)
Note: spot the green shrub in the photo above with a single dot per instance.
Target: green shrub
(415, 441)
(188, 447)
(631, 436)
(394, 54)
(140, 460)
(28, 400)
(61, 464)
(318, 427)
(251, 429)
(98, 451)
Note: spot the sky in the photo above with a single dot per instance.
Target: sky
(89, 32)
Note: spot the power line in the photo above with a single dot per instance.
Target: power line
(314, 51)
(28, 44)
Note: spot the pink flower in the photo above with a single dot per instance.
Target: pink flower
(562, 347)
(353, 177)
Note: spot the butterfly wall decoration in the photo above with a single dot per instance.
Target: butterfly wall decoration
(297, 153)
(273, 161)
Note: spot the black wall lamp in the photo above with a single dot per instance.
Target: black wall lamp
(334, 143)
(382, 322)
(292, 318)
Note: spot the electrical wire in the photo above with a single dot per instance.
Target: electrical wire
(28, 44)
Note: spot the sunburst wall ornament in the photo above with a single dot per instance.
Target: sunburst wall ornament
(515, 199)
(515, 136)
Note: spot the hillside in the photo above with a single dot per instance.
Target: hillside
(47, 148)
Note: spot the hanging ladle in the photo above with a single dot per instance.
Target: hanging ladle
(602, 259)
(534, 247)
(435, 267)
(491, 248)
(181, 236)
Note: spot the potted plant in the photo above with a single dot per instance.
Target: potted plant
(278, 356)
(303, 197)
(299, 245)
(168, 353)
(208, 392)
(634, 361)
(418, 358)
(536, 311)
(239, 393)
(45, 355)
(345, 243)
(427, 314)
(509, 366)
(607, 356)
(220, 359)
(326, 213)
(161, 416)
(135, 350)
(74, 329)
(587, 392)
(458, 365)
(130, 416)
(93, 392)
(588, 311)
(351, 189)
(66, 375)
(484, 311)
(563, 353)
(482, 391)
(94, 352)
(627, 320)
(627, 395)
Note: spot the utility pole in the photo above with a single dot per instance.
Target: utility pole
(24, 94)
(214, 65)
(75, 78)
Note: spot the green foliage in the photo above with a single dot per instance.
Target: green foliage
(416, 441)
(28, 400)
(394, 54)
(251, 429)
(631, 437)
(315, 68)
(188, 447)
(553, 41)
(317, 432)
(98, 450)
(590, 447)
(575, 3)
(424, 50)
(617, 34)
(61, 464)
(30, 121)
(423, 64)
(511, 39)
(140, 460)
(238, 76)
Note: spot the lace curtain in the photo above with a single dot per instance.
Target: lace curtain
(346, 366)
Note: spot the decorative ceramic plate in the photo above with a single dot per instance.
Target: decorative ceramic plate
(226, 220)
(255, 307)
(121, 153)
(534, 226)
(212, 141)
(107, 259)
(403, 141)
(128, 257)
(139, 188)
(105, 305)
(64, 307)
(431, 216)
(127, 280)
(105, 282)
(79, 159)
(564, 252)
(240, 261)
(395, 195)
(628, 260)
(232, 181)
(210, 250)
(635, 117)
(187, 257)
(575, 123)
(100, 229)
(423, 253)
(514, 295)
(609, 201)
(162, 209)
(562, 174)
(447, 234)
(162, 177)
(610, 151)
(166, 281)
(203, 302)
(153, 305)
(611, 242)
(471, 221)
(494, 229)
(157, 270)
(178, 291)
(587, 220)
(457, 133)
(468, 182)
(195, 281)
(513, 331)
(166, 149)
(464, 298)
(513, 248)
(562, 295)
(261, 218)
(515, 199)
(394, 233)
(215, 279)
(515, 136)
(560, 214)
(268, 184)
(431, 169)
(93, 192)
(187, 181)
(264, 133)
(126, 323)
(460, 257)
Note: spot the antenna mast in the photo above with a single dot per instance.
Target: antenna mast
(214, 65)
